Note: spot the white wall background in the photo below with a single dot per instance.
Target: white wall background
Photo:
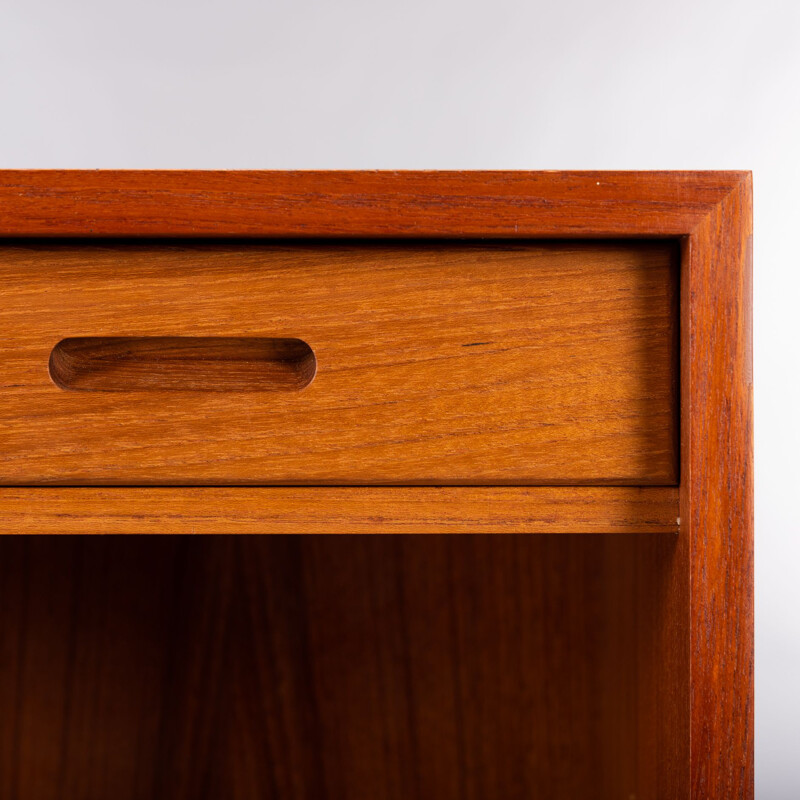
(513, 84)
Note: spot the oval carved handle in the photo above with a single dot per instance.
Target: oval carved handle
(182, 363)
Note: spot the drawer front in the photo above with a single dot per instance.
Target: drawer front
(338, 363)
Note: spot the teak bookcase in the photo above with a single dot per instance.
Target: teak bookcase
(549, 375)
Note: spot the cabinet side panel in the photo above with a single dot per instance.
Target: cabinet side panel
(717, 496)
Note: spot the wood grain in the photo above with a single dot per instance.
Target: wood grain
(340, 510)
(717, 494)
(514, 363)
(175, 203)
(298, 668)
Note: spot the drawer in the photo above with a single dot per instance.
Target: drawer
(338, 363)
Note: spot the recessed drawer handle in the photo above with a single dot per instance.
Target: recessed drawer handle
(182, 363)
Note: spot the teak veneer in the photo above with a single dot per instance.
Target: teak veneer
(554, 369)
(435, 364)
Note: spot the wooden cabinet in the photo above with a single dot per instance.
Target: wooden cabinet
(532, 391)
